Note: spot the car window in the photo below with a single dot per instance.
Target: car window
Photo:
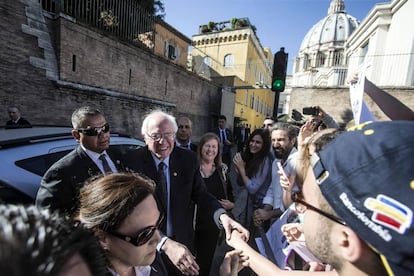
(123, 149)
(40, 164)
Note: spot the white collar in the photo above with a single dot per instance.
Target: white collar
(139, 271)
(93, 155)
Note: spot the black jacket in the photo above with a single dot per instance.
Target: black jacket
(59, 187)
(186, 189)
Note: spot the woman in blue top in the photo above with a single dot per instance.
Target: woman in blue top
(253, 168)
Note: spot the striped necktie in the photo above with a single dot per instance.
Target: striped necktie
(105, 164)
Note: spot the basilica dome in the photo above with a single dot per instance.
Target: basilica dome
(321, 60)
(334, 29)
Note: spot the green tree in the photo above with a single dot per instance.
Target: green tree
(155, 7)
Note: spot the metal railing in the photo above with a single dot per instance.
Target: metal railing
(125, 19)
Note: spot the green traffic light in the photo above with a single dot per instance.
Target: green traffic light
(278, 84)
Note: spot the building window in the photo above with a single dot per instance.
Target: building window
(337, 58)
(246, 97)
(228, 60)
(207, 61)
(249, 63)
(306, 62)
(320, 60)
(297, 64)
(261, 78)
(364, 52)
(171, 51)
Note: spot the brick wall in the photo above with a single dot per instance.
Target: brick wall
(101, 62)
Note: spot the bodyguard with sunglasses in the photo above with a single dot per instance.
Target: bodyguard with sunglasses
(59, 188)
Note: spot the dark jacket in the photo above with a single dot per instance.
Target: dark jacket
(193, 146)
(186, 189)
(59, 187)
(22, 122)
(238, 136)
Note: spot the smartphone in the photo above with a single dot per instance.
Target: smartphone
(298, 255)
(280, 167)
(310, 111)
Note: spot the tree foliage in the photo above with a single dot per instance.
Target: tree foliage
(155, 7)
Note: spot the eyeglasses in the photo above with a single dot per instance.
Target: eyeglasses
(143, 236)
(94, 131)
(302, 205)
(158, 136)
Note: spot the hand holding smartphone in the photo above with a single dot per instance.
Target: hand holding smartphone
(284, 175)
(310, 111)
(280, 167)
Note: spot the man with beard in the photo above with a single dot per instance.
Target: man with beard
(274, 203)
(357, 213)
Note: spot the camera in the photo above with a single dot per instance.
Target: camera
(310, 111)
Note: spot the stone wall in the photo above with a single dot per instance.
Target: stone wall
(124, 81)
(336, 102)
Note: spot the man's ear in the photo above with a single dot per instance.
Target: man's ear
(350, 246)
(293, 141)
(75, 135)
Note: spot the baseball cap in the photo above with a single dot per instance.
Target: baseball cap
(367, 177)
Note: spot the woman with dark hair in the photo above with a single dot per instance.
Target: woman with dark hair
(121, 210)
(216, 177)
(40, 243)
(253, 168)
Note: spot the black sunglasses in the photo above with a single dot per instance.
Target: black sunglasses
(302, 205)
(143, 236)
(94, 131)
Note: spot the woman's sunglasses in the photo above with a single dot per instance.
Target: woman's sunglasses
(143, 236)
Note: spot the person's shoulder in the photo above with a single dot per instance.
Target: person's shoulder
(292, 155)
(66, 163)
(23, 121)
(158, 267)
(184, 154)
(193, 146)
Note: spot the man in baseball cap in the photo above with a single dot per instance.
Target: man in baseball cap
(359, 199)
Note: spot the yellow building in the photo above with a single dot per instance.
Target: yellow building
(171, 44)
(229, 53)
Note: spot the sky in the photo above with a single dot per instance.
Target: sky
(279, 23)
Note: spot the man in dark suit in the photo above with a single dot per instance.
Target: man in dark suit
(16, 121)
(184, 132)
(59, 187)
(226, 139)
(241, 137)
(179, 187)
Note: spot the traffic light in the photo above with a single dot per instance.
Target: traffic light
(279, 70)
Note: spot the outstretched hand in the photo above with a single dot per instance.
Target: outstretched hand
(181, 257)
(231, 225)
(233, 262)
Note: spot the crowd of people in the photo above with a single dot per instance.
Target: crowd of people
(169, 208)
